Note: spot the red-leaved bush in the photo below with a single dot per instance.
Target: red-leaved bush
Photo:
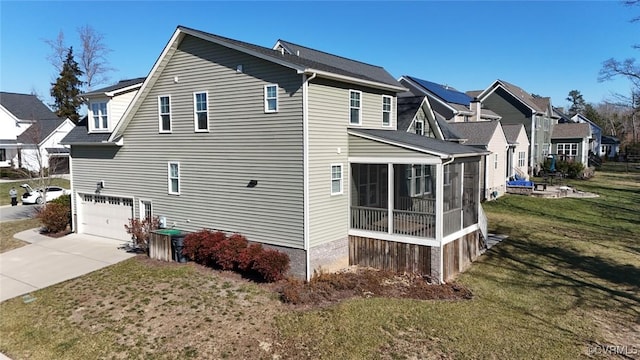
(54, 217)
(271, 264)
(216, 249)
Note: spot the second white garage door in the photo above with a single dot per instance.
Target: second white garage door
(105, 216)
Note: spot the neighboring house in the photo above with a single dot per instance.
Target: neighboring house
(518, 150)
(516, 106)
(489, 136)
(415, 115)
(596, 133)
(17, 113)
(449, 103)
(610, 147)
(571, 142)
(40, 146)
(295, 148)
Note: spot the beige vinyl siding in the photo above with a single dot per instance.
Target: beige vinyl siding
(496, 177)
(118, 105)
(243, 144)
(369, 148)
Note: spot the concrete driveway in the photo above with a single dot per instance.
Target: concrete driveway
(48, 261)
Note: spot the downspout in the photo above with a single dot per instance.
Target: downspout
(440, 218)
(305, 159)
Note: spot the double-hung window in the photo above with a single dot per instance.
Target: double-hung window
(355, 107)
(201, 110)
(336, 179)
(386, 110)
(419, 127)
(174, 178)
(100, 116)
(521, 158)
(164, 111)
(271, 98)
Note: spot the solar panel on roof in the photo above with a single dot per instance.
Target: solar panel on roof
(445, 93)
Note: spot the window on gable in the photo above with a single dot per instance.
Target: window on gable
(271, 98)
(164, 111)
(386, 110)
(419, 127)
(174, 178)
(336, 179)
(100, 116)
(495, 161)
(355, 107)
(201, 111)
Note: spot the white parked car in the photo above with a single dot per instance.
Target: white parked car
(32, 196)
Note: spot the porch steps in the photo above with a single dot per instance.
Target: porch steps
(492, 240)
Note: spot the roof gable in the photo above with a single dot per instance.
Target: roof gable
(512, 132)
(408, 107)
(40, 131)
(477, 133)
(571, 131)
(25, 106)
(300, 64)
(516, 92)
(122, 85)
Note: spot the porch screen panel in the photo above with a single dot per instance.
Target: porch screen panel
(369, 189)
(414, 200)
(452, 198)
(470, 194)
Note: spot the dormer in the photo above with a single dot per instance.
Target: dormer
(107, 105)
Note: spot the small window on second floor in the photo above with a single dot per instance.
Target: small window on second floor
(271, 98)
(201, 110)
(100, 116)
(386, 110)
(174, 178)
(164, 111)
(355, 107)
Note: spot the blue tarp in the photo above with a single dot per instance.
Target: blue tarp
(524, 183)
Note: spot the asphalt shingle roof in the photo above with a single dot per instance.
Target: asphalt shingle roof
(571, 131)
(39, 131)
(408, 107)
(477, 133)
(80, 134)
(423, 143)
(523, 96)
(511, 132)
(120, 85)
(25, 106)
(310, 58)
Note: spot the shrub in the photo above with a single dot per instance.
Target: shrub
(63, 200)
(272, 265)
(248, 256)
(203, 246)
(141, 230)
(193, 244)
(54, 217)
(228, 254)
(574, 170)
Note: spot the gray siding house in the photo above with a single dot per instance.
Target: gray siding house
(295, 148)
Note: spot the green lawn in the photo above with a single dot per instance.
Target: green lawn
(35, 183)
(9, 228)
(565, 281)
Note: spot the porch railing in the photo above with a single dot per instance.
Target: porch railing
(405, 222)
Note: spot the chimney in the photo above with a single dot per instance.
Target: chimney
(476, 108)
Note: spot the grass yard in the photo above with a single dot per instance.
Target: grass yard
(9, 228)
(562, 286)
(6, 186)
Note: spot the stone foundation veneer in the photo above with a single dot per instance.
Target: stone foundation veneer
(330, 257)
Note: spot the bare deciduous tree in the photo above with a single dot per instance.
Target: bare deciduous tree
(58, 51)
(93, 56)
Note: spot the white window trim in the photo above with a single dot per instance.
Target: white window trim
(332, 179)
(92, 125)
(414, 126)
(522, 158)
(360, 108)
(169, 190)
(195, 112)
(160, 129)
(141, 208)
(390, 110)
(266, 102)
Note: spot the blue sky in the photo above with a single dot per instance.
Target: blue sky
(547, 48)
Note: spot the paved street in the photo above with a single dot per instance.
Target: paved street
(8, 213)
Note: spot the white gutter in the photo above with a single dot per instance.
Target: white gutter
(305, 160)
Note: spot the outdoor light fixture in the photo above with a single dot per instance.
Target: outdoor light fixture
(252, 183)
(100, 184)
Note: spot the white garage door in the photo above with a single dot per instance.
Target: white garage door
(105, 216)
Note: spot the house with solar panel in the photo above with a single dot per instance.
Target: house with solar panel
(516, 106)
(295, 148)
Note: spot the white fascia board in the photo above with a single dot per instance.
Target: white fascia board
(404, 146)
(123, 90)
(393, 160)
(427, 103)
(352, 80)
(396, 238)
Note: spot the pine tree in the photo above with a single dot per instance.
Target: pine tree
(578, 105)
(66, 90)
